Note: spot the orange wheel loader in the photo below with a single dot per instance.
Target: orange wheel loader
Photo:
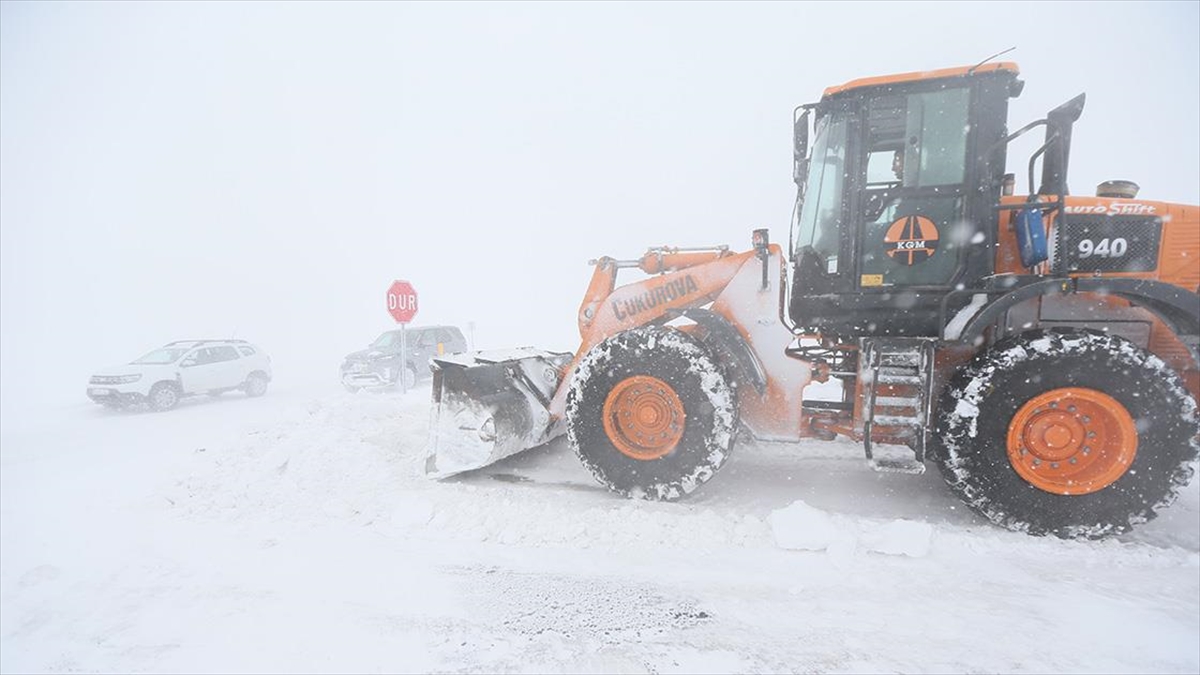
(1039, 349)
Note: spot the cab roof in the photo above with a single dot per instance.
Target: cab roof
(918, 76)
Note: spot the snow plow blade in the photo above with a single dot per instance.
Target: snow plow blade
(490, 405)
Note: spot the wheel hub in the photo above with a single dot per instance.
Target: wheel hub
(1072, 441)
(643, 417)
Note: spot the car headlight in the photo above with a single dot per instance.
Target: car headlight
(114, 379)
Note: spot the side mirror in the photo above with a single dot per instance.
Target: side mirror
(188, 362)
(800, 136)
(760, 239)
(800, 147)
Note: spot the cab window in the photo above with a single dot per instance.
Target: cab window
(817, 225)
(935, 146)
(885, 142)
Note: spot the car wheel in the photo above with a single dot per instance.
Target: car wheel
(256, 385)
(164, 396)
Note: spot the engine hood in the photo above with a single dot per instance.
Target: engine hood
(131, 369)
(368, 355)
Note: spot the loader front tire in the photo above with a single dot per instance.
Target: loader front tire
(1074, 433)
(651, 413)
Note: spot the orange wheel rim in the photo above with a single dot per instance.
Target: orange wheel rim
(1072, 441)
(643, 417)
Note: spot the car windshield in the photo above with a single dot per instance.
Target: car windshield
(161, 357)
(389, 339)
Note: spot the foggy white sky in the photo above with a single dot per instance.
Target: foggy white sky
(193, 169)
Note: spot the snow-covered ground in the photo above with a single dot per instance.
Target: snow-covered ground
(293, 533)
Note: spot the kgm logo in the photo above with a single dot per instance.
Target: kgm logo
(911, 239)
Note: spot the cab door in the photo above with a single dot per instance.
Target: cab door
(910, 215)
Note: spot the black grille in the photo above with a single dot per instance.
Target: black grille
(1107, 244)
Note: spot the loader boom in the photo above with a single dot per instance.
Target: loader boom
(470, 402)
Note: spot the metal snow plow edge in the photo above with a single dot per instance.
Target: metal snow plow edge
(490, 405)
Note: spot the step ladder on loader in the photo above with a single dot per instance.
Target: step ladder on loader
(896, 378)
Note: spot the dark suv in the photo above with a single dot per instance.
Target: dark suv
(379, 365)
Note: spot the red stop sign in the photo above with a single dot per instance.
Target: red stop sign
(402, 301)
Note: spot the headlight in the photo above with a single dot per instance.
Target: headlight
(114, 379)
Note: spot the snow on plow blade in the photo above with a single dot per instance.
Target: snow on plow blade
(490, 405)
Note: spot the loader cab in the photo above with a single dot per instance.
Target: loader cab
(896, 199)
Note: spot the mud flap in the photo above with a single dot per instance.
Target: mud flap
(490, 405)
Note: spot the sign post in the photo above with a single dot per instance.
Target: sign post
(402, 306)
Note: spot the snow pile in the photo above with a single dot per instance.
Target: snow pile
(800, 527)
(522, 518)
(356, 459)
(900, 537)
(412, 512)
(334, 461)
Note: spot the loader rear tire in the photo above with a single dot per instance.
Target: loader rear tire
(651, 413)
(1078, 434)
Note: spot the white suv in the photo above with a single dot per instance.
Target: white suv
(184, 368)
